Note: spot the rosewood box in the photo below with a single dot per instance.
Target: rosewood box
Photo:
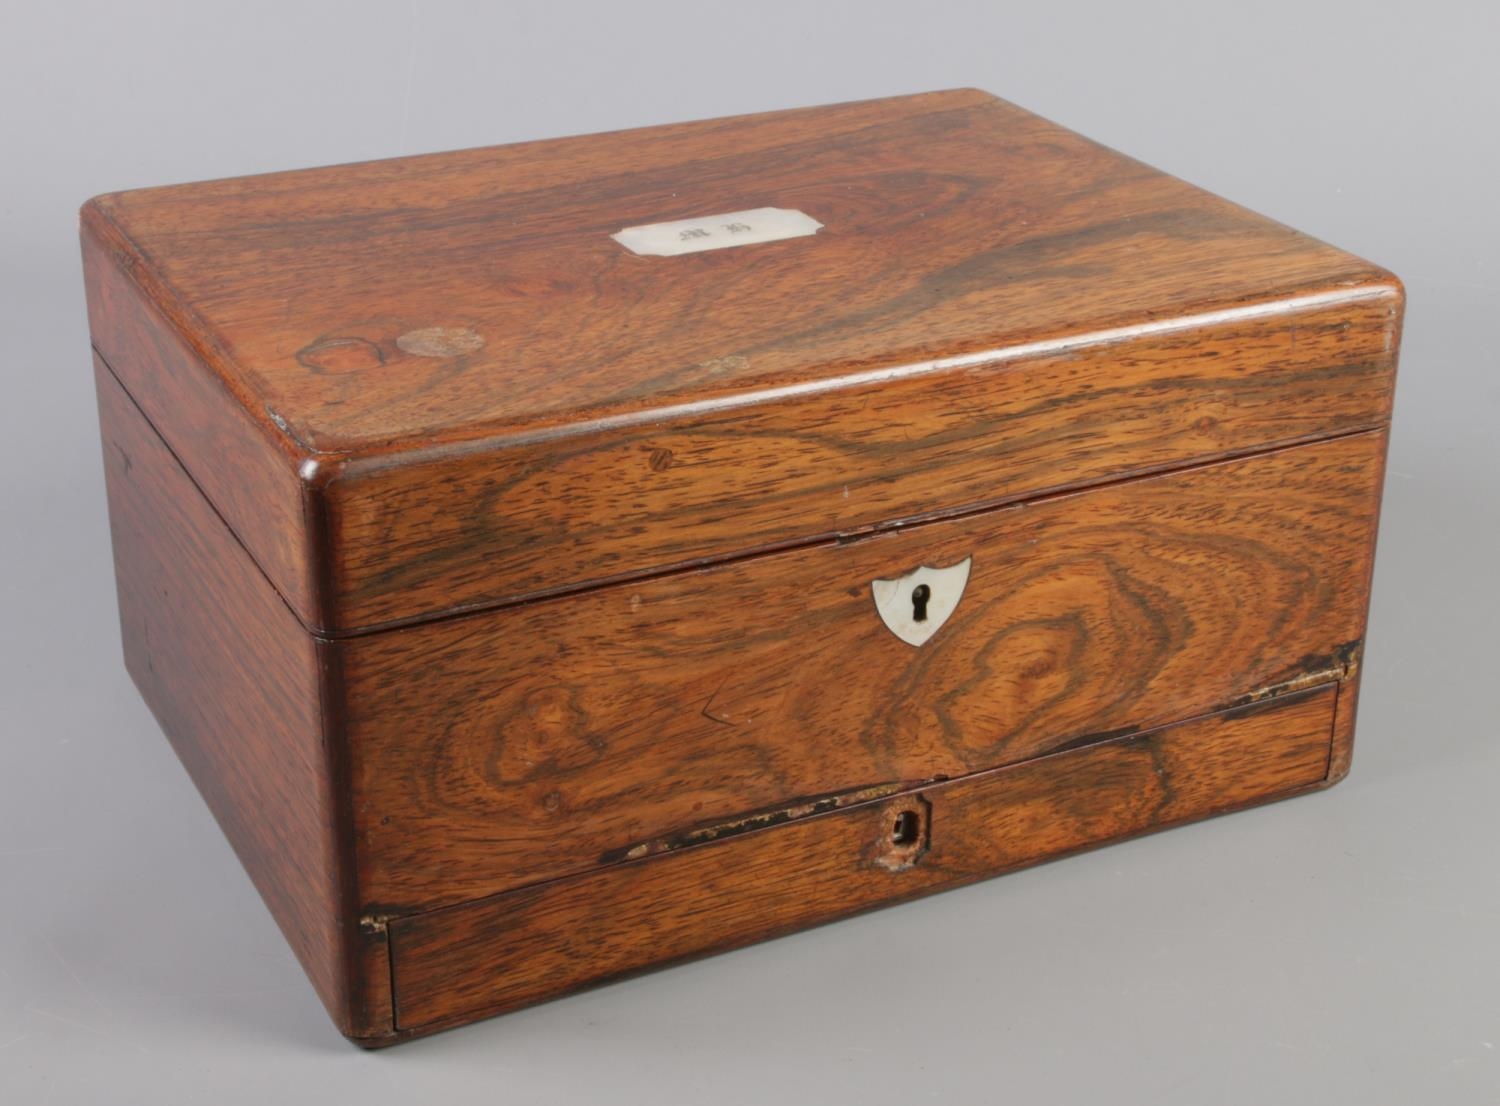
(556, 560)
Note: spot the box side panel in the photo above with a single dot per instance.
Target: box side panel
(471, 528)
(538, 741)
(234, 680)
(456, 965)
(248, 475)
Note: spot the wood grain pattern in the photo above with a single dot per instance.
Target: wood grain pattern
(484, 958)
(954, 222)
(531, 742)
(469, 530)
(503, 590)
(234, 681)
(996, 307)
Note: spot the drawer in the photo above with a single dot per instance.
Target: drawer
(540, 741)
(536, 943)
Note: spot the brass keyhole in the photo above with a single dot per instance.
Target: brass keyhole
(919, 596)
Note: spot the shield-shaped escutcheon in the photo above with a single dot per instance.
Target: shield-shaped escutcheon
(915, 606)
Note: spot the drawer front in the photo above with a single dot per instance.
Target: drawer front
(533, 742)
(536, 943)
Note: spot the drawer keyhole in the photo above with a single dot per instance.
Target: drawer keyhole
(919, 596)
(904, 832)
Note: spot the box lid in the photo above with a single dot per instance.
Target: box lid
(464, 386)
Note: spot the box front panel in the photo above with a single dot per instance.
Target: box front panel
(475, 527)
(544, 740)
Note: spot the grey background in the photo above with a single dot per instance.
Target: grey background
(1339, 948)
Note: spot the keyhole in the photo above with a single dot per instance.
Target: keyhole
(919, 596)
(904, 832)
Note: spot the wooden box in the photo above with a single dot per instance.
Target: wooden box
(556, 560)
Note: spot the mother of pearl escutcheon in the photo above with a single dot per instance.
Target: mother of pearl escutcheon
(915, 606)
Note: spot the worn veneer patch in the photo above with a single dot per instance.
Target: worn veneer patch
(440, 341)
(341, 355)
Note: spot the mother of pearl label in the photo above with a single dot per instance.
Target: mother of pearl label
(717, 232)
